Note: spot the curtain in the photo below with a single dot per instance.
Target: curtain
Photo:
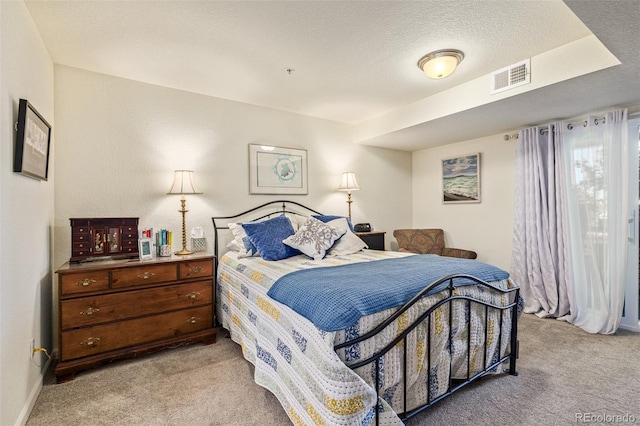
(597, 187)
(570, 221)
(539, 260)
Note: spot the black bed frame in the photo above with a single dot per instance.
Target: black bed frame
(285, 206)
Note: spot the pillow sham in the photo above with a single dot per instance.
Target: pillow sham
(267, 237)
(314, 238)
(329, 218)
(297, 220)
(241, 243)
(349, 243)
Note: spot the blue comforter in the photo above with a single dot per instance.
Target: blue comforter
(334, 298)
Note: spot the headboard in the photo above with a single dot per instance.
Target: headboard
(263, 211)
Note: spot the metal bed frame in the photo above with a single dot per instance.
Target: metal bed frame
(284, 206)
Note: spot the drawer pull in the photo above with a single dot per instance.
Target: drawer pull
(90, 311)
(146, 275)
(86, 282)
(195, 269)
(91, 341)
(193, 320)
(193, 295)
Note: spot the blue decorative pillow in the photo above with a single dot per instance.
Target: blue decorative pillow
(329, 218)
(267, 237)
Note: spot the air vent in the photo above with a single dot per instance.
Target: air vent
(512, 76)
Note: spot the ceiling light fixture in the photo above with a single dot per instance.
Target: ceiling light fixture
(441, 63)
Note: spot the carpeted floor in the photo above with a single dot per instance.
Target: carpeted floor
(565, 376)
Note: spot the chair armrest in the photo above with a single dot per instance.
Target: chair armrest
(461, 253)
(402, 249)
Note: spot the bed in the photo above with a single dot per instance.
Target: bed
(423, 328)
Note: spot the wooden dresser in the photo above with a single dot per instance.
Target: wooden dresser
(112, 309)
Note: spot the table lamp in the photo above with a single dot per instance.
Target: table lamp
(183, 183)
(349, 183)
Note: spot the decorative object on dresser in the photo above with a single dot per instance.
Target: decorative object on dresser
(33, 140)
(145, 249)
(103, 237)
(116, 309)
(374, 239)
(198, 240)
(183, 183)
(349, 183)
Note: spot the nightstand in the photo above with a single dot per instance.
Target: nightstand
(375, 240)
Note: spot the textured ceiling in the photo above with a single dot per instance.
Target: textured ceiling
(352, 61)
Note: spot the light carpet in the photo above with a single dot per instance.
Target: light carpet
(566, 376)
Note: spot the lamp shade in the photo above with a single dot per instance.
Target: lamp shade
(349, 182)
(184, 183)
(441, 63)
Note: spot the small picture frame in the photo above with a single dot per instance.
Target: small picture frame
(145, 249)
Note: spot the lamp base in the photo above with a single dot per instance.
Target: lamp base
(184, 252)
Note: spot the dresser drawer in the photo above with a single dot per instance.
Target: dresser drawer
(80, 235)
(130, 230)
(80, 247)
(130, 243)
(92, 310)
(102, 338)
(83, 282)
(142, 275)
(196, 268)
(80, 250)
(130, 248)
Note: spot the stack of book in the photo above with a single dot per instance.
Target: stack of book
(158, 238)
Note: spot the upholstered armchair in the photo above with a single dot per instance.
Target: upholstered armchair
(428, 241)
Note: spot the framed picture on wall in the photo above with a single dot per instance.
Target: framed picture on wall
(277, 170)
(461, 179)
(31, 155)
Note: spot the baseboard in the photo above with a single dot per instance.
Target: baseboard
(630, 327)
(33, 396)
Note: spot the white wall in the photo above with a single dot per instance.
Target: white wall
(120, 140)
(484, 227)
(26, 218)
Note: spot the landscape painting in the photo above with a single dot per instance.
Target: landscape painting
(461, 179)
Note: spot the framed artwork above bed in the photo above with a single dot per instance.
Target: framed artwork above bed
(461, 179)
(277, 170)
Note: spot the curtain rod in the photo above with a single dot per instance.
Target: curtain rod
(570, 126)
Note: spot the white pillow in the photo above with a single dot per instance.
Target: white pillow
(349, 243)
(241, 242)
(296, 220)
(314, 238)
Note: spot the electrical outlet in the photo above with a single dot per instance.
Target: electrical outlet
(32, 349)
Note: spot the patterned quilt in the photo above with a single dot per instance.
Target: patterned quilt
(296, 361)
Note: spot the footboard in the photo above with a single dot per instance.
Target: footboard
(438, 347)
